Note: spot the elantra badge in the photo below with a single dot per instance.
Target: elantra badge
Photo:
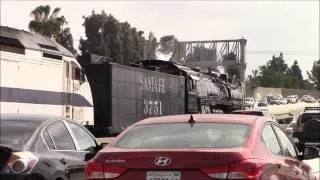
(162, 161)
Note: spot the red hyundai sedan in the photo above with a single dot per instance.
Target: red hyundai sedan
(200, 147)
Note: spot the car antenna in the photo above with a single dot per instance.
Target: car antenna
(191, 121)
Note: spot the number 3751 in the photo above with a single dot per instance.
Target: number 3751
(152, 107)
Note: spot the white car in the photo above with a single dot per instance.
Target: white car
(249, 102)
(292, 99)
(305, 98)
(256, 112)
(283, 101)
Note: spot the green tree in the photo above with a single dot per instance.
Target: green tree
(141, 43)
(111, 37)
(273, 74)
(308, 85)
(150, 47)
(134, 54)
(51, 24)
(46, 22)
(93, 42)
(277, 74)
(314, 74)
(65, 39)
(131, 43)
(126, 42)
(106, 36)
(254, 79)
(277, 64)
(295, 76)
(167, 44)
(103, 38)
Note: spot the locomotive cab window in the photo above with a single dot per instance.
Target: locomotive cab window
(191, 85)
(77, 73)
(11, 45)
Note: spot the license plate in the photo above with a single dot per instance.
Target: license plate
(163, 175)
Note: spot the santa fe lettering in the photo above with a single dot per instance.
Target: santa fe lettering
(151, 83)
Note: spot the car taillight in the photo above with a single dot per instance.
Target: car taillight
(96, 170)
(19, 166)
(247, 169)
(22, 162)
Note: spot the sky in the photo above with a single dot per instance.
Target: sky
(270, 27)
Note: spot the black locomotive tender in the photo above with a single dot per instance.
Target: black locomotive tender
(122, 95)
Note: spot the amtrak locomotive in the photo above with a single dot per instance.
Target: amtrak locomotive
(39, 76)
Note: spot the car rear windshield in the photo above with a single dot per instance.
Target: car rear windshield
(255, 113)
(308, 116)
(16, 133)
(185, 135)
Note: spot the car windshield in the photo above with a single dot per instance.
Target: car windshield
(308, 116)
(185, 135)
(16, 133)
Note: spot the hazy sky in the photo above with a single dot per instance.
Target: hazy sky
(269, 26)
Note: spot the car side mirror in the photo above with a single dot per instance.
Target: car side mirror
(92, 153)
(100, 146)
(89, 156)
(310, 152)
(103, 145)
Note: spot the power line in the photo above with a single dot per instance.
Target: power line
(284, 52)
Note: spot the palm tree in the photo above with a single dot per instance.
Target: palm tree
(45, 23)
(51, 25)
(65, 39)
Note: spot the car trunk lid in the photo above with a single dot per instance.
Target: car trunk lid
(184, 158)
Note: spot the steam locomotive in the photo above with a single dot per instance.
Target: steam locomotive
(205, 92)
(123, 94)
